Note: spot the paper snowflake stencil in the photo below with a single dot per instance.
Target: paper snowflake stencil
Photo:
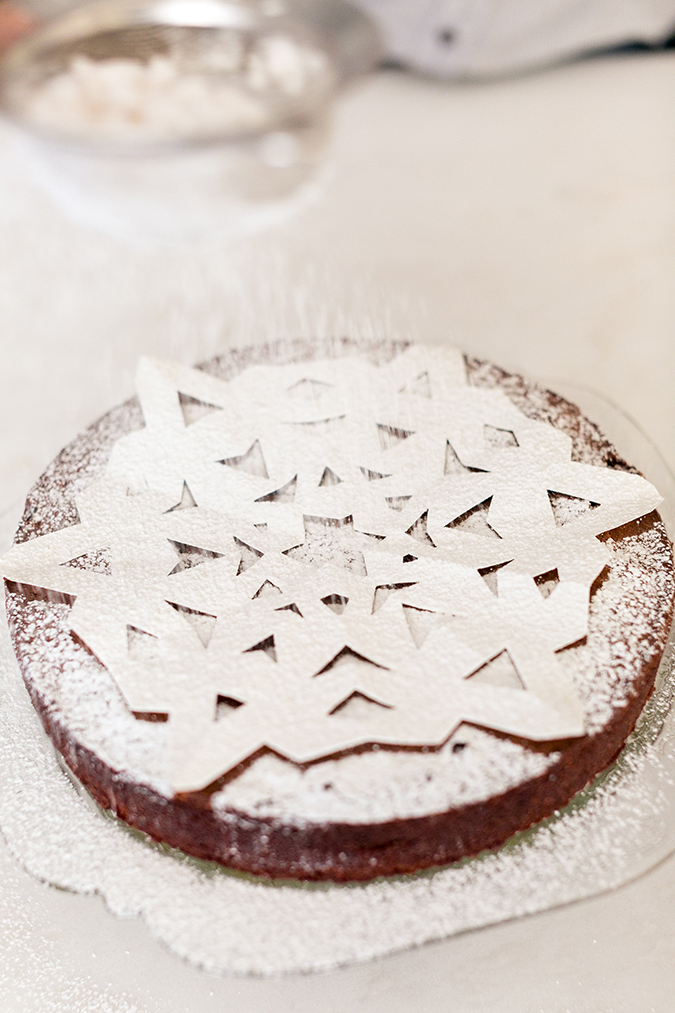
(317, 556)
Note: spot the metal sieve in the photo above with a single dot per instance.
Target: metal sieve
(200, 36)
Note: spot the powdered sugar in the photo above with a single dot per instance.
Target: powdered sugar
(373, 785)
(227, 923)
(370, 785)
(590, 446)
(383, 785)
(204, 89)
(81, 692)
(231, 924)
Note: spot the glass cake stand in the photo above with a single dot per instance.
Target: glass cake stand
(613, 832)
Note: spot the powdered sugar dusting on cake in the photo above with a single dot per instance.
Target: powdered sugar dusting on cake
(78, 690)
(360, 785)
(590, 446)
(232, 924)
(362, 788)
(605, 666)
(51, 502)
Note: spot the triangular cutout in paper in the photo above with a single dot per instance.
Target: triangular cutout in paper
(499, 438)
(96, 561)
(336, 602)
(567, 508)
(142, 646)
(420, 623)
(390, 436)
(383, 591)
(329, 478)
(226, 705)
(373, 476)
(154, 717)
(290, 608)
(489, 574)
(475, 520)
(347, 655)
(193, 409)
(499, 671)
(191, 555)
(324, 539)
(358, 706)
(419, 532)
(397, 503)
(286, 494)
(252, 462)
(248, 555)
(266, 646)
(547, 582)
(201, 622)
(268, 590)
(187, 500)
(453, 465)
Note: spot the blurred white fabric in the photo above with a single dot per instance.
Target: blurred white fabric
(477, 38)
(465, 38)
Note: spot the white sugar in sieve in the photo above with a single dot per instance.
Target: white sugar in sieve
(168, 117)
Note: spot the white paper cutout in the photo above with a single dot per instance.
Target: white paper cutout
(285, 543)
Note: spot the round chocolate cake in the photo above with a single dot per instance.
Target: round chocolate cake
(338, 610)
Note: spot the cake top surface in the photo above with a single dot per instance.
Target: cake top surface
(316, 556)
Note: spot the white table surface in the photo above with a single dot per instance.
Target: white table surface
(531, 221)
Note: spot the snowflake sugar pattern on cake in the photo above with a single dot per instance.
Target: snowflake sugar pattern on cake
(317, 556)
